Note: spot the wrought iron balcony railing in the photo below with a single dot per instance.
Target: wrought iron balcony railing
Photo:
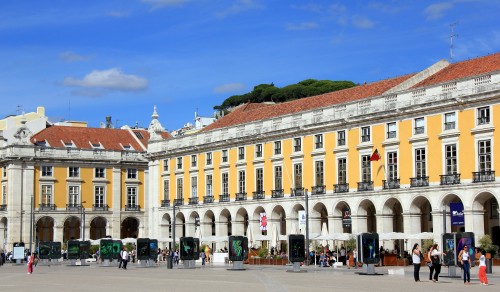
(73, 207)
(3, 207)
(421, 181)
(165, 203)
(179, 201)
(208, 199)
(341, 188)
(100, 207)
(277, 194)
(318, 190)
(483, 176)
(364, 186)
(391, 184)
(224, 198)
(193, 201)
(241, 196)
(297, 192)
(259, 195)
(47, 207)
(450, 179)
(132, 207)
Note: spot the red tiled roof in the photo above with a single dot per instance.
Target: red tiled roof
(254, 112)
(110, 139)
(463, 69)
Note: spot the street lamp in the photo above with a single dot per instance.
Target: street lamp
(82, 208)
(307, 227)
(173, 228)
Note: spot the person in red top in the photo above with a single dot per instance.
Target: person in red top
(31, 259)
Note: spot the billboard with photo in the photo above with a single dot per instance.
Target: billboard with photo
(196, 248)
(73, 249)
(368, 247)
(297, 248)
(84, 250)
(55, 250)
(237, 248)
(117, 247)
(187, 248)
(466, 239)
(44, 248)
(449, 249)
(143, 249)
(153, 249)
(106, 248)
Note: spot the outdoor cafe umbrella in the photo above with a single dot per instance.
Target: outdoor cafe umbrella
(250, 236)
(274, 237)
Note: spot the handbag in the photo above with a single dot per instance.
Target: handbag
(429, 264)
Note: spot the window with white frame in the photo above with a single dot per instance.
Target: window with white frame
(449, 121)
(4, 194)
(392, 166)
(46, 194)
(297, 144)
(132, 197)
(166, 190)
(420, 163)
(241, 181)
(209, 158)
(342, 171)
(319, 171)
(194, 187)
(391, 130)
(258, 151)
(74, 172)
(484, 152)
(194, 160)
(451, 158)
(165, 164)
(278, 178)
(241, 153)
(179, 162)
(277, 148)
(225, 183)
(419, 126)
(99, 172)
(366, 168)
(46, 170)
(297, 175)
(483, 115)
(99, 196)
(180, 193)
(132, 173)
(341, 138)
(365, 134)
(259, 180)
(210, 186)
(224, 156)
(318, 141)
(73, 195)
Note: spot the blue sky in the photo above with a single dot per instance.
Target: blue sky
(84, 60)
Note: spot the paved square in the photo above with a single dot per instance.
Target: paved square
(218, 278)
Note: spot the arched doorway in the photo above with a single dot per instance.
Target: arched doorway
(367, 222)
(225, 224)
(3, 232)
(129, 228)
(278, 217)
(165, 227)
(180, 225)
(420, 216)
(98, 228)
(342, 218)
(72, 228)
(319, 215)
(452, 198)
(392, 214)
(194, 221)
(240, 224)
(484, 214)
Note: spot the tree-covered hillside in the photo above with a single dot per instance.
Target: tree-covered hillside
(271, 93)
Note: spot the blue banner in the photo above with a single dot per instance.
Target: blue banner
(457, 214)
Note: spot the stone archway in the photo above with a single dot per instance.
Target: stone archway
(319, 215)
(278, 217)
(166, 226)
(240, 223)
(194, 221)
(3, 232)
(420, 216)
(72, 228)
(342, 221)
(392, 216)
(225, 227)
(129, 228)
(451, 198)
(367, 222)
(208, 222)
(180, 225)
(484, 216)
(98, 228)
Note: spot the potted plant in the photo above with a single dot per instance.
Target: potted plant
(486, 243)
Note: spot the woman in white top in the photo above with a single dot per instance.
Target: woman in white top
(464, 258)
(415, 256)
(482, 268)
(436, 262)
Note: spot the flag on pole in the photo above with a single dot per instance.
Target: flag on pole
(375, 156)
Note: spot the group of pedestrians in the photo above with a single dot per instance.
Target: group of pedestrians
(435, 262)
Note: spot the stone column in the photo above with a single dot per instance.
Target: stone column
(116, 204)
(335, 224)
(220, 230)
(411, 225)
(437, 225)
(474, 222)
(359, 223)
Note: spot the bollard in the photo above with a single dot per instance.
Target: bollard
(489, 269)
(170, 264)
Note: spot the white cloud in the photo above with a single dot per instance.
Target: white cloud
(69, 56)
(239, 6)
(119, 14)
(111, 79)
(164, 3)
(230, 87)
(436, 11)
(362, 22)
(311, 7)
(302, 26)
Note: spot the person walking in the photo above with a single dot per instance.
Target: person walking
(124, 258)
(464, 258)
(482, 268)
(436, 262)
(415, 256)
(203, 258)
(120, 261)
(429, 263)
(31, 259)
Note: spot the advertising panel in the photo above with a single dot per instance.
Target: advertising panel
(73, 249)
(143, 249)
(153, 249)
(106, 249)
(370, 248)
(187, 248)
(196, 249)
(449, 245)
(44, 248)
(236, 252)
(84, 249)
(297, 248)
(55, 250)
(117, 247)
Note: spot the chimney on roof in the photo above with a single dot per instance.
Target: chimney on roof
(109, 125)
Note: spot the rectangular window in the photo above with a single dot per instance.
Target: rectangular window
(132, 173)
(278, 178)
(451, 159)
(74, 172)
(392, 166)
(419, 126)
(46, 170)
(449, 121)
(99, 172)
(73, 195)
(179, 162)
(258, 151)
(341, 138)
(365, 134)
(99, 196)
(483, 115)
(318, 141)
(166, 189)
(180, 193)
(46, 194)
(4, 171)
(342, 171)
(297, 144)
(277, 148)
(165, 164)
(4, 195)
(209, 158)
(210, 186)
(320, 181)
(241, 181)
(224, 156)
(366, 168)
(194, 187)
(194, 161)
(484, 155)
(420, 162)
(259, 180)
(297, 174)
(241, 153)
(131, 196)
(225, 183)
(391, 130)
